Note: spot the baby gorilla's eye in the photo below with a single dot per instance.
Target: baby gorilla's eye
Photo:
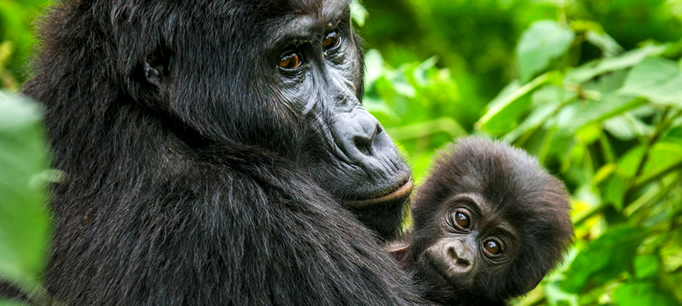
(290, 61)
(331, 41)
(462, 220)
(492, 247)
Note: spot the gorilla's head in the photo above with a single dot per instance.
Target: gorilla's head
(489, 223)
(290, 83)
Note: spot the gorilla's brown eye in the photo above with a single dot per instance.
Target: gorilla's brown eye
(290, 61)
(462, 220)
(492, 247)
(331, 41)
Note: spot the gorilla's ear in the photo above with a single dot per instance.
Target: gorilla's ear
(157, 67)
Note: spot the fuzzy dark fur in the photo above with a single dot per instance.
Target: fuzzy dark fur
(517, 190)
(214, 191)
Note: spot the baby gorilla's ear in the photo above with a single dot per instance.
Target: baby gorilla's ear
(400, 250)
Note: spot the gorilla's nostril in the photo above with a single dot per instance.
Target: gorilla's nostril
(462, 262)
(456, 259)
(452, 253)
(363, 144)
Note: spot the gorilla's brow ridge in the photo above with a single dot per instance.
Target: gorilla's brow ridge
(303, 25)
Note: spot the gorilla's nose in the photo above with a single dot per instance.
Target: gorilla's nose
(359, 131)
(460, 257)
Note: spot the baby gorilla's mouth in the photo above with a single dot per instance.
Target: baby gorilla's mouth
(400, 192)
(435, 266)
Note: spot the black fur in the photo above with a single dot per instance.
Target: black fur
(193, 175)
(512, 187)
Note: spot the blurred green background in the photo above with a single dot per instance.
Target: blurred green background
(592, 88)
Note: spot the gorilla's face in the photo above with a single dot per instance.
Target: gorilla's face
(317, 65)
(294, 90)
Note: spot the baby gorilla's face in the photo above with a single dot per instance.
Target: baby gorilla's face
(474, 243)
(489, 224)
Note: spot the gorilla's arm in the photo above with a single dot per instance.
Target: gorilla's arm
(244, 230)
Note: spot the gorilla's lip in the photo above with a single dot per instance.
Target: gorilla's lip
(433, 264)
(399, 192)
(437, 265)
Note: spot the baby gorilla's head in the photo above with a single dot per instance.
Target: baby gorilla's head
(489, 223)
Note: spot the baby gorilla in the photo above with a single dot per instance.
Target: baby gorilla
(489, 224)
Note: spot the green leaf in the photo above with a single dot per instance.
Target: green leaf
(379, 108)
(641, 294)
(646, 266)
(662, 156)
(24, 222)
(604, 42)
(598, 67)
(358, 13)
(374, 64)
(615, 190)
(627, 127)
(671, 252)
(577, 115)
(508, 106)
(657, 79)
(629, 162)
(423, 129)
(604, 259)
(543, 41)
(555, 295)
(536, 118)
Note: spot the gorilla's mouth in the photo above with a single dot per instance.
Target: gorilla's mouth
(435, 266)
(400, 192)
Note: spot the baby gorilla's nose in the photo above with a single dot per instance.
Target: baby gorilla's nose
(460, 257)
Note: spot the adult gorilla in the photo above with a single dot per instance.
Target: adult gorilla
(211, 147)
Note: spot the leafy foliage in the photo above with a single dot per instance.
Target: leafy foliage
(24, 233)
(604, 120)
(593, 88)
(16, 39)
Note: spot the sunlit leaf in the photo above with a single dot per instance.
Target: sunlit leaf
(546, 103)
(374, 66)
(671, 252)
(641, 294)
(605, 42)
(358, 13)
(663, 155)
(542, 42)
(628, 59)
(508, 106)
(555, 296)
(615, 190)
(24, 229)
(423, 129)
(604, 259)
(626, 127)
(657, 79)
(646, 266)
(577, 115)
(629, 163)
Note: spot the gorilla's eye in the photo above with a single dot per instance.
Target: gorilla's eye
(492, 247)
(290, 61)
(331, 41)
(462, 221)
